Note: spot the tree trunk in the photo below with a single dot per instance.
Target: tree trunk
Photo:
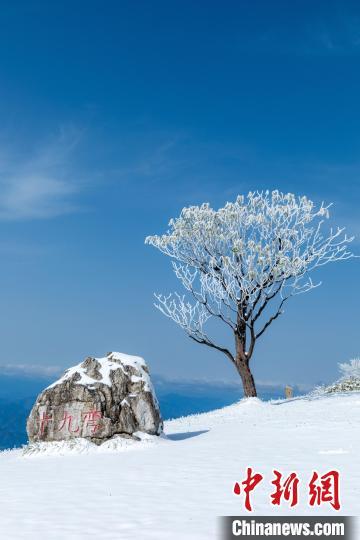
(247, 378)
(242, 362)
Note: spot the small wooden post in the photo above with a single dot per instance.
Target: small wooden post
(288, 392)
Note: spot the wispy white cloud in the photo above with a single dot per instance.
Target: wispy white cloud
(197, 383)
(339, 35)
(335, 32)
(41, 185)
(29, 370)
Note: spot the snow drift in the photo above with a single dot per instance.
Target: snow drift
(176, 486)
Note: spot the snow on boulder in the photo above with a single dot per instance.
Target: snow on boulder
(97, 399)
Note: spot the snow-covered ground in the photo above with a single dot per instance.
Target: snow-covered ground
(175, 487)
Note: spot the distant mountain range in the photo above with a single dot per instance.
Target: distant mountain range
(18, 392)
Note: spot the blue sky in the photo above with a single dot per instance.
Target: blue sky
(116, 115)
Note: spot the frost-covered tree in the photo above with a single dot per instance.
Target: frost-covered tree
(349, 380)
(241, 263)
(350, 370)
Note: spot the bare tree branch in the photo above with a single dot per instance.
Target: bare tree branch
(273, 318)
(213, 346)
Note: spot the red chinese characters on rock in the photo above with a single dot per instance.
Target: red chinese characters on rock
(90, 419)
(325, 489)
(67, 424)
(44, 421)
(322, 489)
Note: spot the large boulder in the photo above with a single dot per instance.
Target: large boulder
(97, 399)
